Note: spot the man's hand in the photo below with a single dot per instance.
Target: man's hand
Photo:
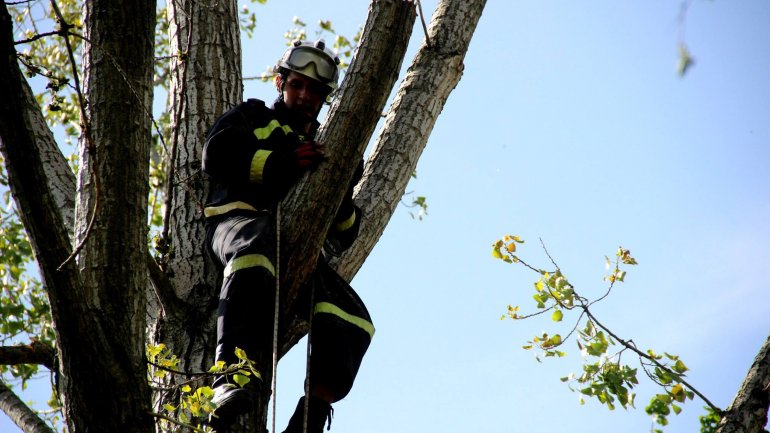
(308, 155)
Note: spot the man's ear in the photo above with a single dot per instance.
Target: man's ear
(278, 80)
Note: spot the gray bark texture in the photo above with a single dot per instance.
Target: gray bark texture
(309, 209)
(748, 411)
(20, 413)
(205, 83)
(433, 74)
(101, 324)
(27, 144)
(93, 305)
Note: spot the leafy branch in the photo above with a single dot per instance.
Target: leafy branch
(604, 377)
(192, 406)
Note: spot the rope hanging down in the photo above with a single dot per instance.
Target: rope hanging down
(276, 312)
(276, 319)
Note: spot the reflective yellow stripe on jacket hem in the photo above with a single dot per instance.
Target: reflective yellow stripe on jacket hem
(249, 261)
(225, 208)
(265, 131)
(326, 307)
(348, 223)
(258, 165)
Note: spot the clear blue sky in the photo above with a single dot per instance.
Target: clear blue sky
(571, 125)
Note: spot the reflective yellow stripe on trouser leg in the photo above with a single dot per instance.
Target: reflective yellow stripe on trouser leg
(249, 261)
(327, 307)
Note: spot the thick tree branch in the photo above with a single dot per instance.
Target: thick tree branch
(310, 208)
(748, 411)
(433, 75)
(36, 352)
(58, 181)
(20, 413)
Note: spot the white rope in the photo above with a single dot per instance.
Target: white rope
(306, 409)
(276, 314)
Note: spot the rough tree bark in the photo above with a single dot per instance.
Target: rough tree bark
(93, 304)
(433, 74)
(205, 83)
(36, 177)
(748, 411)
(20, 413)
(308, 210)
(101, 333)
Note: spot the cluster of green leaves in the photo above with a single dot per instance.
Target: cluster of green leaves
(668, 373)
(604, 375)
(710, 421)
(191, 402)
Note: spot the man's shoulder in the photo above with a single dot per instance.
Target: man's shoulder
(254, 110)
(255, 105)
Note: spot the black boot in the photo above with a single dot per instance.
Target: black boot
(231, 400)
(319, 411)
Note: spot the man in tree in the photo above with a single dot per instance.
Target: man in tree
(253, 156)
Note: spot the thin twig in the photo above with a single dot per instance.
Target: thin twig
(177, 422)
(424, 27)
(39, 36)
(652, 360)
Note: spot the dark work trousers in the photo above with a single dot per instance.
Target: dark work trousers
(244, 245)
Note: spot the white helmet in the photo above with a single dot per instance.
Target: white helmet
(312, 59)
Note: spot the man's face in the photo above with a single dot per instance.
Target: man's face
(303, 94)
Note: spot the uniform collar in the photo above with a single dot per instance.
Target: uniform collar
(295, 120)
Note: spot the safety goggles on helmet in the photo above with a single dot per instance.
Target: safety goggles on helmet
(302, 57)
(312, 59)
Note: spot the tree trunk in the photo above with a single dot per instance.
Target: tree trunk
(101, 325)
(432, 76)
(206, 82)
(206, 79)
(748, 411)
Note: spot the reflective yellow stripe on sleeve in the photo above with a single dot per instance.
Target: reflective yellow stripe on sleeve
(348, 223)
(225, 208)
(265, 131)
(326, 307)
(249, 261)
(258, 165)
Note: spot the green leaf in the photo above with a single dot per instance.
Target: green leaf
(185, 388)
(676, 408)
(205, 391)
(241, 380)
(679, 367)
(557, 316)
(240, 353)
(217, 367)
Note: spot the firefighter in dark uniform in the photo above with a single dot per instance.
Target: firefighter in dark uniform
(253, 155)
